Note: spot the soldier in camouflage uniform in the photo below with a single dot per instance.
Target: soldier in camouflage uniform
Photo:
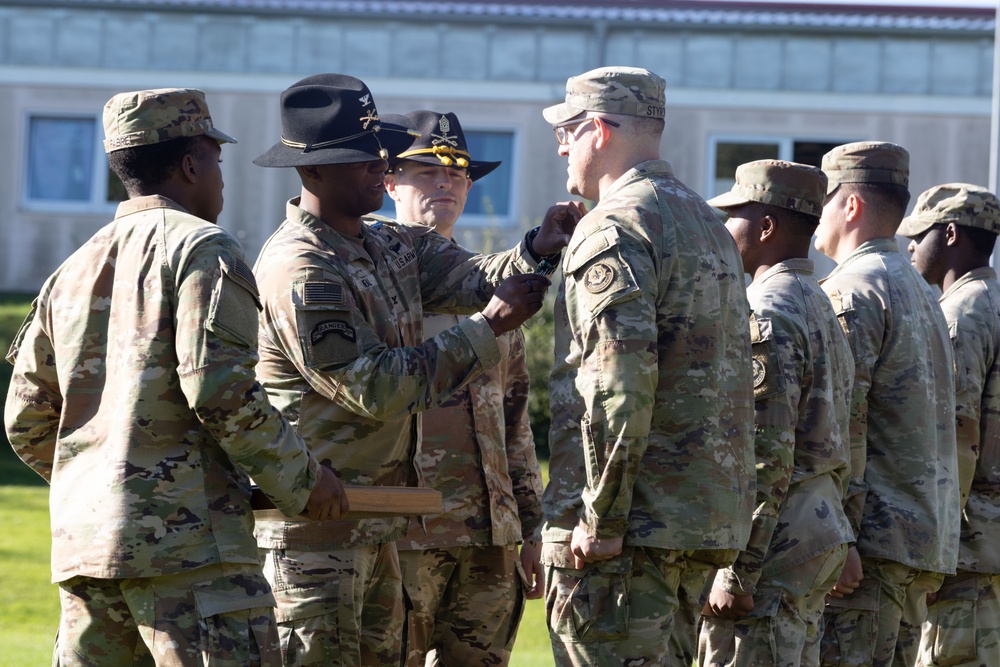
(651, 395)
(767, 608)
(134, 396)
(461, 568)
(344, 356)
(953, 230)
(903, 498)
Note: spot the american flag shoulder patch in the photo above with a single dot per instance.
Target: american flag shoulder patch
(323, 293)
(237, 269)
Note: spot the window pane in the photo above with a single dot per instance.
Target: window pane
(61, 159)
(490, 195)
(729, 155)
(812, 152)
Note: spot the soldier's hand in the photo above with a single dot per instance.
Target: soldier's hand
(532, 566)
(328, 500)
(724, 604)
(589, 549)
(514, 301)
(850, 576)
(557, 227)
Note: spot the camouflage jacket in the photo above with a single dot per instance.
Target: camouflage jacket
(803, 372)
(343, 354)
(134, 395)
(477, 450)
(903, 500)
(972, 308)
(651, 393)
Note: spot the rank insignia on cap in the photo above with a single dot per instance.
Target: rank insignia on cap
(365, 100)
(759, 372)
(598, 278)
(444, 126)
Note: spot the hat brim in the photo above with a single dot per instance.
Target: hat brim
(478, 169)
(221, 137)
(561, 113)
(914, 226)
(365, 149)
(728, 200)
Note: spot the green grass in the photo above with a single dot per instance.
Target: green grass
(29, 604)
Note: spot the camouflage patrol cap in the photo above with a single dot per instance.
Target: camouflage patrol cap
(145, 117)
(960, 203)
(629, 91)
(867, 162)
(797, 187)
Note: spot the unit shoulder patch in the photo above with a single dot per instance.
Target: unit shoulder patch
(598, 277)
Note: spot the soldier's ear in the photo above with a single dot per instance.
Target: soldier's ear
(187, 168)
(768, 227)
(390, 186)
(854, 206)
(951, 234)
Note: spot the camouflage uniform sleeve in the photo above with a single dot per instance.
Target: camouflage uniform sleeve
(216, 338)
(525, 475)
(777, 388)
(618, 373)
(862, 321)
(343, 358)
(973, 357)
(455, 280)
(34, 400)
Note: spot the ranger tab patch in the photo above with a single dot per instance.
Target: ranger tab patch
(338, 327)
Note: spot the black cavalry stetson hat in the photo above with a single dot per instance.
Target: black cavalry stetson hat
(326, 119)
(440, 142)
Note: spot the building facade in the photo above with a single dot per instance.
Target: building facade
(745, 80)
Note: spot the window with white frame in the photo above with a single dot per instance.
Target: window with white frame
(491, 197)
(726, 153)
(66, 166)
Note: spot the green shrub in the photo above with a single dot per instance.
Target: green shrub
(13, 309)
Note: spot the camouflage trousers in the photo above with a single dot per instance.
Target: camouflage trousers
(344, 607)
(861, 629)
(963, 624)
(784, 627)
(914, 615)
(691, 597)
(467, 603)
(217, 615)
(619, 611)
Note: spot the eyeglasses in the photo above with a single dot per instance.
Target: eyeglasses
(563, 134)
